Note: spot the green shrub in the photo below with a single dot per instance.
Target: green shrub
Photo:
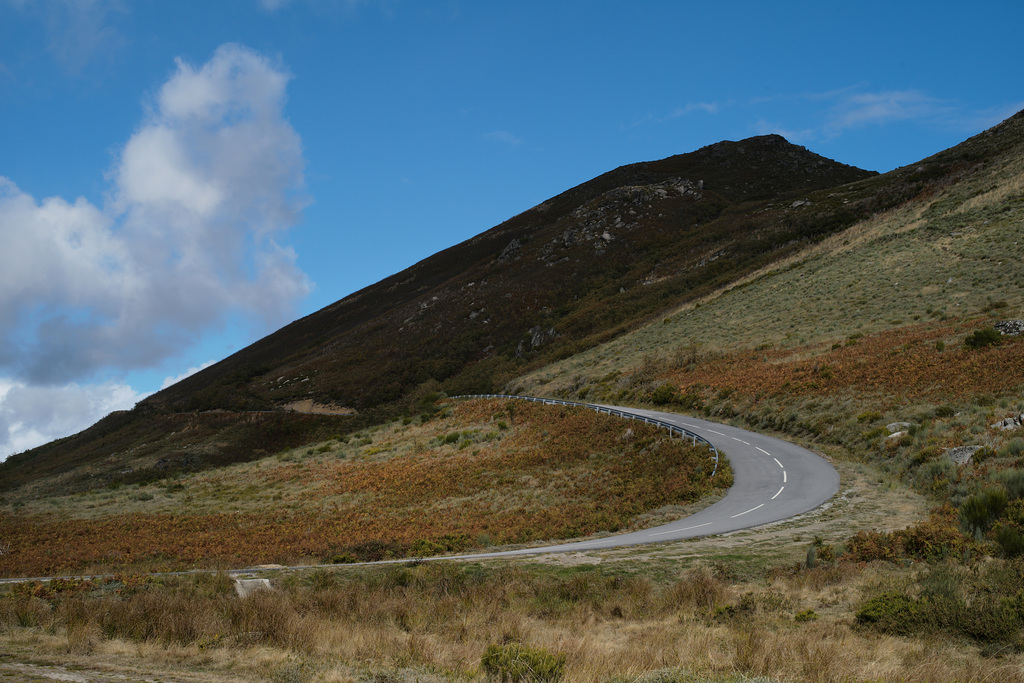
(806, 615)
(1013, 481)
(664, 394)
(516, 662)
(982, 454)
(1012, 449)
(1010, 540)
(979, 511)
(988, 336)
(891, 612)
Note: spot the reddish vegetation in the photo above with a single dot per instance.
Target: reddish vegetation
(902, 364)
(555, 473)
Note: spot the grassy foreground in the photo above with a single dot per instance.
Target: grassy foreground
(437, 621)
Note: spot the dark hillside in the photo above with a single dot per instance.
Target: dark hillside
(578, 268)
(583, 267)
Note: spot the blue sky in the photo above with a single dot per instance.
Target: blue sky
(179, 179)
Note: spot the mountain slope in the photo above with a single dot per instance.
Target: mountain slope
(580, 269)
(864, 329)
(596, 259)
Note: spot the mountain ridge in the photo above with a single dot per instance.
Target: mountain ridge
(583, 267)
(473, 260)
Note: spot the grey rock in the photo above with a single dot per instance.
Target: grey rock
(511, 251)
(246, 587)
(1011, 328)
(962, 455)
(1009, 423)
(894, 427)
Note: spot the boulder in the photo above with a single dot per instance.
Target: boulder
(962, 455)
(1009, 423)
(246, 587)
(1011, 328)
(894, 427)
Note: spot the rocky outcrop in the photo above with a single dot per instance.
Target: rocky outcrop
(962, 454)
(538, 337)
(1010, 328)
(1010, 423)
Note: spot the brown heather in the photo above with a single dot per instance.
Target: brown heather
(491, 473)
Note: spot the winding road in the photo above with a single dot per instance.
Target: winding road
(773, 480)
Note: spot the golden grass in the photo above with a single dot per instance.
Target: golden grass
(436, 621)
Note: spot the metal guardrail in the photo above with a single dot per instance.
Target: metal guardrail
(661, 424)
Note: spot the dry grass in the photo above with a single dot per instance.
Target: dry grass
(436, 620)
(947, 257)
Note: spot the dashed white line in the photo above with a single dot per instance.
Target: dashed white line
(750, 510)
(764, 451)
(778, 463)
(778, 492)
(783, 476)
(740, 440)
(714, 432)
(672, 531)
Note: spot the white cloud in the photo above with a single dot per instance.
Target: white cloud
(31, 416)
(201, 194)
(836, 112)
(861, 109)
(168, 381)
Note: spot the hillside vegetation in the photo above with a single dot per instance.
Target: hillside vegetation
(480, 474)
(579, 269)
(853, 313)
(887, 323)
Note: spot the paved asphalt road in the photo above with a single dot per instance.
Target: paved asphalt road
(772, 480)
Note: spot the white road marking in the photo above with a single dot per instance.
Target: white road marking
(740, 440)
(763, 451)
(750, 510)
(783, 476)
(778, 492)
(672, 531)
(714, 432)
(778, 463)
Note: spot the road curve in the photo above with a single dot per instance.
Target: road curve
(773, 480)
